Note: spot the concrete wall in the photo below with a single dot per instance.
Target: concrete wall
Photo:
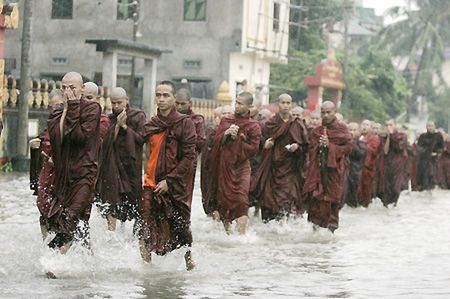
(161, 26)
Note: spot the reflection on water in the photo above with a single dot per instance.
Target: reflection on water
(377, 252)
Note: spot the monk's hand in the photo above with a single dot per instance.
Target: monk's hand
(269, 143)
(122, 119)
(35, 143)
(162, 187)
(70, 93)
(323, 141)
(232, 131)
(293, 147)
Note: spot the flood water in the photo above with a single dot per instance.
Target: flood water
(401, 252)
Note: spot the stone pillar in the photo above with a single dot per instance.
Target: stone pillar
(9, 19)
(109, 72)
(148, 101)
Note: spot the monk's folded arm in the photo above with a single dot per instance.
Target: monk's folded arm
(85, 127)
(136, 130)
(337, 152)
(188, 151)
(250, 146)
(398, 143)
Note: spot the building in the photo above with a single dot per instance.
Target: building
(208, 41)
(363, 23)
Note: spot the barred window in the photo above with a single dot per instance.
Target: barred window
(195, 10)
(276, 16)
(62, 9)
(125, 9)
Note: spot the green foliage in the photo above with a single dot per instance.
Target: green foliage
(440, 109)
(375, 90)
(7, 167)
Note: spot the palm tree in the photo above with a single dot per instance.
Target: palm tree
(420, 36)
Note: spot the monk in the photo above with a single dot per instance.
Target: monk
(205, 171)
(120, 179)
(276, 185)
(165, 208)
(429, 147)
(356, 163)
(329, 143)
(378, 186)
(297, 112)
(74, 138)
(444, 165)
(45, 173)
(367, 178)
(314, 120)
(395, 159)
(264, 115)
(91, 94)
(237, 140)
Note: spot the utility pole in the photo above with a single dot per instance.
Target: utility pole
(133, 59)
(300, 3)
(347, 9)
(21, 159)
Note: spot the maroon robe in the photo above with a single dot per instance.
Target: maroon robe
(276, 185)
(105, 123)
(166, 218)
(324, 195)
(394, 168)
(205, 171)
(356, 161)
(427, 144)
(255, 162)
(231, 170)
(444, 167)
(367, 180)
(46, 178)
(75, 157)
(120, 179)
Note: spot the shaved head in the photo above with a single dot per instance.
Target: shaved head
(119, 99)
(217, 116)
(246, 97)
(284, 96)
(315, 118)
(366, 127)
(328, 112)
(431, 127)
(73, 76)
(72, 85)
(328, 105)
(91, 91)
(226, 111)
(55, 97)
(254, 112)
(354, 129)
(264, 114)
(297, 112)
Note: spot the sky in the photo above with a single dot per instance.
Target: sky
(382, 5)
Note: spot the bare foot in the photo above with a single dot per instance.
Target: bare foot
(242, 224)
(111, 223)
(145, 254)
(190, 264)
(65, 247)
(216, 216)
(50, 275)
(227, 226)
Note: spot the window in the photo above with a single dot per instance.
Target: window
(62, 9)
(192, 64)
(125, 9)
(59, 60)
(276, 16)
(195, 10)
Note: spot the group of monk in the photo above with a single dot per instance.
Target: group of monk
(284, 164)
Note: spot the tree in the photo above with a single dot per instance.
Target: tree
(420, 37)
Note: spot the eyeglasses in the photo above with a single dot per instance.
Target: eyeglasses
(165, 95)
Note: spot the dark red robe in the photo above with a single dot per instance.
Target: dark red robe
(46, 178)
(323, 189)
(120, 179)
(444, 167)
(231, 170)
(427, 144)
(394, 168)
(367, 180)
(205, 171)
(75, 157)
(166, 218)
(105, 123)
(276, 185)
(356, 164)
